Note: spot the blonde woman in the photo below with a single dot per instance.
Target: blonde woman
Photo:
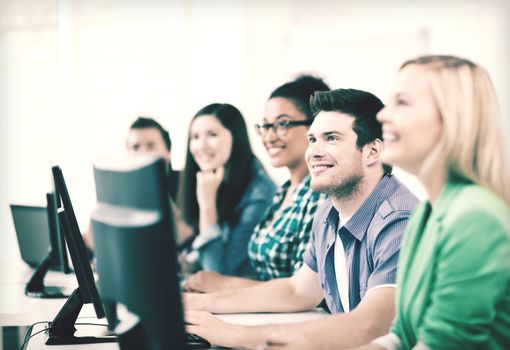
(442, 123)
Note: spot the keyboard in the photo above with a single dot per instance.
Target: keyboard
(195, 342)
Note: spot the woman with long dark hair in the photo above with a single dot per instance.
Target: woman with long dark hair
(224, 190)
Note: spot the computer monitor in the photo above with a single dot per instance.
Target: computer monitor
(32, 231)
(62, 329)
(134, 240)
(41, 246)
(58, 260)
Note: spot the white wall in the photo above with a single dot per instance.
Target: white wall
(75, 73)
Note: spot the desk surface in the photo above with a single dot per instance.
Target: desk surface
(37, 342)
(16, 309)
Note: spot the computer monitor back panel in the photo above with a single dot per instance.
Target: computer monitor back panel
(132, 189)
(133, 232)
(32, 230)
(138, 278)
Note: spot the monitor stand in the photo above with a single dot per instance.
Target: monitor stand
(62, 330)
(35, 287)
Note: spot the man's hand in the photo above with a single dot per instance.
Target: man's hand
(206, 281)
(210, 327)
(194, 301)
(282, 340)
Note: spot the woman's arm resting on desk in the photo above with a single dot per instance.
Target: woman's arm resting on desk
(297, 293)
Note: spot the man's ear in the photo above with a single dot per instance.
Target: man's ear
(372, 152)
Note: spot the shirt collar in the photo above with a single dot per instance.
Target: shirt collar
(359, 221)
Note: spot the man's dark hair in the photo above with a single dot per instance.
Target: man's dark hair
(237, 169)
(145, 123)
(299, 92)
(361, 105)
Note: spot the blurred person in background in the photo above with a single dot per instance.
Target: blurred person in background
(147, 136)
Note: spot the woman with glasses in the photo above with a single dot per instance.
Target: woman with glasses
(224, 190)
(277, 245)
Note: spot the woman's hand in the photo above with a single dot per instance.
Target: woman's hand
(208, 183)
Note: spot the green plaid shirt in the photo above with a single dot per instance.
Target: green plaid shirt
(276, 246)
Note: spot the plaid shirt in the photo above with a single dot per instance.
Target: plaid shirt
(276, 246)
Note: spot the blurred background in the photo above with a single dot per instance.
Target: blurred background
(74, 74)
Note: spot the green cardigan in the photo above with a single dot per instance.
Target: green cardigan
(454, 272)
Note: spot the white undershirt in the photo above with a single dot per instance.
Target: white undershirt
(342, 277)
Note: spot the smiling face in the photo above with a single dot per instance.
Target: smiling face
(210, 142)
(333, 159)
(287, 150)
(412, 124)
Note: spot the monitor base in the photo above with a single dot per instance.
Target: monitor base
(79, 340)
(49, 292)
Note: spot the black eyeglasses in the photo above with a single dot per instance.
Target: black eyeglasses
(280, 128)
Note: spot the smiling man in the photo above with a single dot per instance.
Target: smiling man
(352, 259)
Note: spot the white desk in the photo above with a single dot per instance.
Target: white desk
(37, 342)
(16, 309)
